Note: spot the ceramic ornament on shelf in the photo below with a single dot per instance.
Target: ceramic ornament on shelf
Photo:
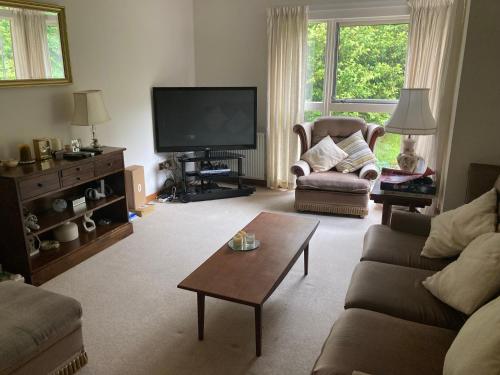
(67, 232)
(25, 156)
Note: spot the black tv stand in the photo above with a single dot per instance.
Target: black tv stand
(206, 187)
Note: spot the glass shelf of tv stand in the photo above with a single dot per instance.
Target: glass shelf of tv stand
(209, 156)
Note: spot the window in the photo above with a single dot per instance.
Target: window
(359, 66)
(55, 68)
(55, 50)
(7, 68)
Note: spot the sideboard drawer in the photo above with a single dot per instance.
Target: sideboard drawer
(78, 178)
(82, 169)
(35, 186)
(109, 164)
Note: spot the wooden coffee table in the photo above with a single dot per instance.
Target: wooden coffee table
(249, 278)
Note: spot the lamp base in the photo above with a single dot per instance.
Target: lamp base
(408, 160)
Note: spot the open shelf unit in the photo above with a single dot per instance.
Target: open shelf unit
(34, 188)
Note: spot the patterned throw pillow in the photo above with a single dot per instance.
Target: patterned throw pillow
(359, 153)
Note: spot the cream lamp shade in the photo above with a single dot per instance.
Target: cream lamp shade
(89, 108)
(413, 114)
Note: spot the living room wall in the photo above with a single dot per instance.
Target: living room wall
(231, 39)
(476, 133)
(124, 48)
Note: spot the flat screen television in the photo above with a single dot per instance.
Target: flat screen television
(204, 118)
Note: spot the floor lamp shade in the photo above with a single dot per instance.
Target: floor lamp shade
(89, 108)
(413, 114)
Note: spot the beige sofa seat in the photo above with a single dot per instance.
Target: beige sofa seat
(375, 343)
(398, 291)
(40, 331)
(334, 181)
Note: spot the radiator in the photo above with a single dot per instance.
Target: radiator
(254, 163)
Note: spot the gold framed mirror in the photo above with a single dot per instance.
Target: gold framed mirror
(33, 44)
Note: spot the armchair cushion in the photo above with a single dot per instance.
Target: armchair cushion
(324, 155)
(337, 127)
(358, 151)
(301, 168)
(334, 181)
(369, 172)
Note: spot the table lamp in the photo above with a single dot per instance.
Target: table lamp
(412, 117)
(90, 111)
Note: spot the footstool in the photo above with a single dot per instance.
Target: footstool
(40, 331)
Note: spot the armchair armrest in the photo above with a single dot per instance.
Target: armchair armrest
(304, 131)
(411, 222)
(374, 131)
(301, 168)
(369, 172)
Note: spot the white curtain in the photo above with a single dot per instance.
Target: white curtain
(29, 40)
(436, 33)
(287, 43)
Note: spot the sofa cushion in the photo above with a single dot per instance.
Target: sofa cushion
(383, 244)
(334, 181)
(324, 155)
(475, 350)
(31, 317)
(453, 230)
(473, 279)
(398, 291)
(376, 343)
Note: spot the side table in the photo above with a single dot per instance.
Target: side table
(397, 198)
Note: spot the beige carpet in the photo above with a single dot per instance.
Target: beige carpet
(136, 321)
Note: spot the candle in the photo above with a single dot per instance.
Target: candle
(238, 241)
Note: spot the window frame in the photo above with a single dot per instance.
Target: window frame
(330, 103)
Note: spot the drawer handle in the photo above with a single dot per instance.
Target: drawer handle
(39, 185)
(77, 169)
(110, 164)
(78, 178)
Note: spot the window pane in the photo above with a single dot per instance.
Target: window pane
(387, 147)
(7, 68)
(316, 44)
(312, 115)
(55, 52)
(371, 61)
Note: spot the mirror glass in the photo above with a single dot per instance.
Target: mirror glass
(33, 44)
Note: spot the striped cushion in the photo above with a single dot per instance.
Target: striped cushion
(359, 153)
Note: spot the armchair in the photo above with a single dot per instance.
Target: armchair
(334, 192)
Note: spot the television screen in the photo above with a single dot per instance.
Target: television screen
(200, 118)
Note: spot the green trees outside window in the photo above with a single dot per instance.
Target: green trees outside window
(368, 68)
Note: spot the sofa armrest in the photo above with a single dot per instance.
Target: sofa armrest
(411, 222)
(301, 168)
(304, 130)
(373, 132)
(369, 172)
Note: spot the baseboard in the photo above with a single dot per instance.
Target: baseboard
(151, 197)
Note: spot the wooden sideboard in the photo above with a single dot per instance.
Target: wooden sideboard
(34, 187)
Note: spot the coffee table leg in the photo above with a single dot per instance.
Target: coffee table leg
(258, 330)
(306, 259)
(201, 315)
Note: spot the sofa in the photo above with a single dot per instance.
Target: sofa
(391, 323)
(334, 192)
(40, 331)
